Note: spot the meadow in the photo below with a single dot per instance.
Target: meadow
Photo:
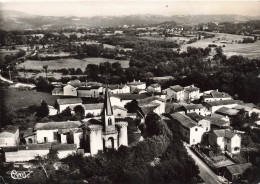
(230, 45)
(15, 99)
(68, 63)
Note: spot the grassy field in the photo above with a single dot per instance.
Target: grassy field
(168, 39)
(68, 63)
(232, 47)
(14, 99)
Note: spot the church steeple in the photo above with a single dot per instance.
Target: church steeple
(107, 109)
(107, 114)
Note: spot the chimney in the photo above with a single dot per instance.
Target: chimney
(216, 90)
(139, 81)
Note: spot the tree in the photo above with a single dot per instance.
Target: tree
(153, 124)
(42, 110)
(45, 67)
(79, 111)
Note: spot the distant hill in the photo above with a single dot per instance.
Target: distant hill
(11, 20)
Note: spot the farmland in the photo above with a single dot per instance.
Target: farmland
(230, 45)
(68, 63)
(14, 99)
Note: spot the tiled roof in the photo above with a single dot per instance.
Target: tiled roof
(156, 85)
(118, 107)
(222, 102)
(88, 87)
(177, 88)
(244, 107)
(56, 90)
(93, 106)
(216, 94)
(238, 168)
(224, 133)
(191, 88)
(28, 132)
(184, 120)
(64, 146)
(129, 96)
(137, 91)
(135, 83)
(35, 147)
(148, 107)
(227, 111)
(57, 125)
(64, 101)
(195, 116)
(10, 129)
(217, 121)
(193, 106)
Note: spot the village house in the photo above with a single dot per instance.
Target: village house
(175, 93)
(61, 132)
(57, 91)
(228, 112)
(136, 84)
(215, 95)
(235, 171)
(70, 90)
(9, 136)
(124, 98)
(190, 130)
(117, 88)
(201, 120)
(90, 91)
(217, 122)
(119, 111)
(62, 104)
(52, 110)
(94, 109)
(249, 109)
(154, 88)
(214, 106)
(152, 104)
(226, 140)
(197, 108)
(191, 93)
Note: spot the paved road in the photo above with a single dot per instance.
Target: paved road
(205, 172)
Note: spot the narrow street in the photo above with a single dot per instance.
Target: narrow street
(205, 172)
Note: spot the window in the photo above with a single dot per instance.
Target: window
(45, 139)
(109, 121)
(193, 140)
(207, 128)
(196, 129)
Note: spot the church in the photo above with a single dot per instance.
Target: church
(104, 132)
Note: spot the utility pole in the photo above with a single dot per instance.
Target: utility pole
(10, 74)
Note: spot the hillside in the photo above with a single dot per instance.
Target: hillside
(11, 20)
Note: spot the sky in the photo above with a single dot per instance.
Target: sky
(131, 7)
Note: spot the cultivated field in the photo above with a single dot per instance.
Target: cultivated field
(68, 63)
(14, 99)
(232, 47)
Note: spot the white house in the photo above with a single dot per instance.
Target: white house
(155, 103)
(90, 91)
(119, 111)
(215, 105)
(226, 140)
(61, 132)
(190, 130)
(201, 120)
(117, 88)
(52, 110)
(57, 91)
(9, 136)
(124, 98)
(191, 93)
(137, 84)
(94, 109)
(66, 102)
(197, 108)
(215, 95)
(154, 88)
(175, 93)
(69, 90)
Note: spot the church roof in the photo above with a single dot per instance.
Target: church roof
(107, 104)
